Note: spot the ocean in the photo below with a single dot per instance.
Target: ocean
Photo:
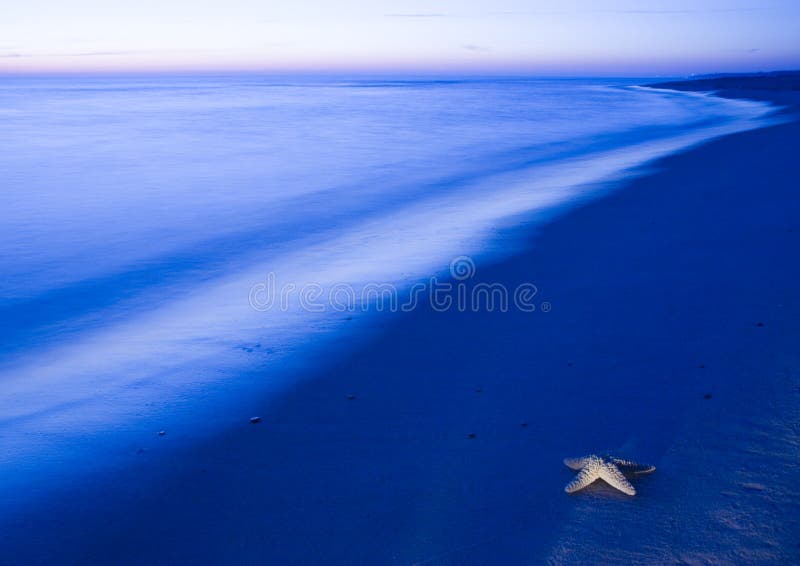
(144, 217)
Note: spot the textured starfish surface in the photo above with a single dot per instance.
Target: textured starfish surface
(607, 468)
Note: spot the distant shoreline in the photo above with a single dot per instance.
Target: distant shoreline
(782, 87)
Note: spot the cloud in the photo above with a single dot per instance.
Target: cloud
(686, 10)
(99, 53)
(420, 15)
(17, 55)
(475, 48)
(634, 11)
(126, 52)
(78, 54)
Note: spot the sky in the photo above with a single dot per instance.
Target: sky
(545, 37)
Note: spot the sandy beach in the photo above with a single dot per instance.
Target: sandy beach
(672, 339)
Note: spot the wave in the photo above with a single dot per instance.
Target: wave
(166, 328)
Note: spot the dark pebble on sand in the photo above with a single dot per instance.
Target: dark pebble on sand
(479, 390)
(255, 420)
(523, 424)
(470, 436)
(759, 324)
(161, 433)
(351, 397)
(570, 364)
(707, 396)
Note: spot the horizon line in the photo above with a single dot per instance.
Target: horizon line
(379, 72)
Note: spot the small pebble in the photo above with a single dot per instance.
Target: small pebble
(707, 396)
(523, 424)
(162, 432)
(255, 420)
(471, 436)
(759, 324)
(479, 390)
(351, 397)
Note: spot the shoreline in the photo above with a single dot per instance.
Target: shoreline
(781, 88)
(693, 257)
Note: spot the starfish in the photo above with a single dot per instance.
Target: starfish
(607, 468)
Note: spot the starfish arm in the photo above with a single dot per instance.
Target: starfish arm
(584, 478)
(576, 463)
(613, 477)
(629, 467)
